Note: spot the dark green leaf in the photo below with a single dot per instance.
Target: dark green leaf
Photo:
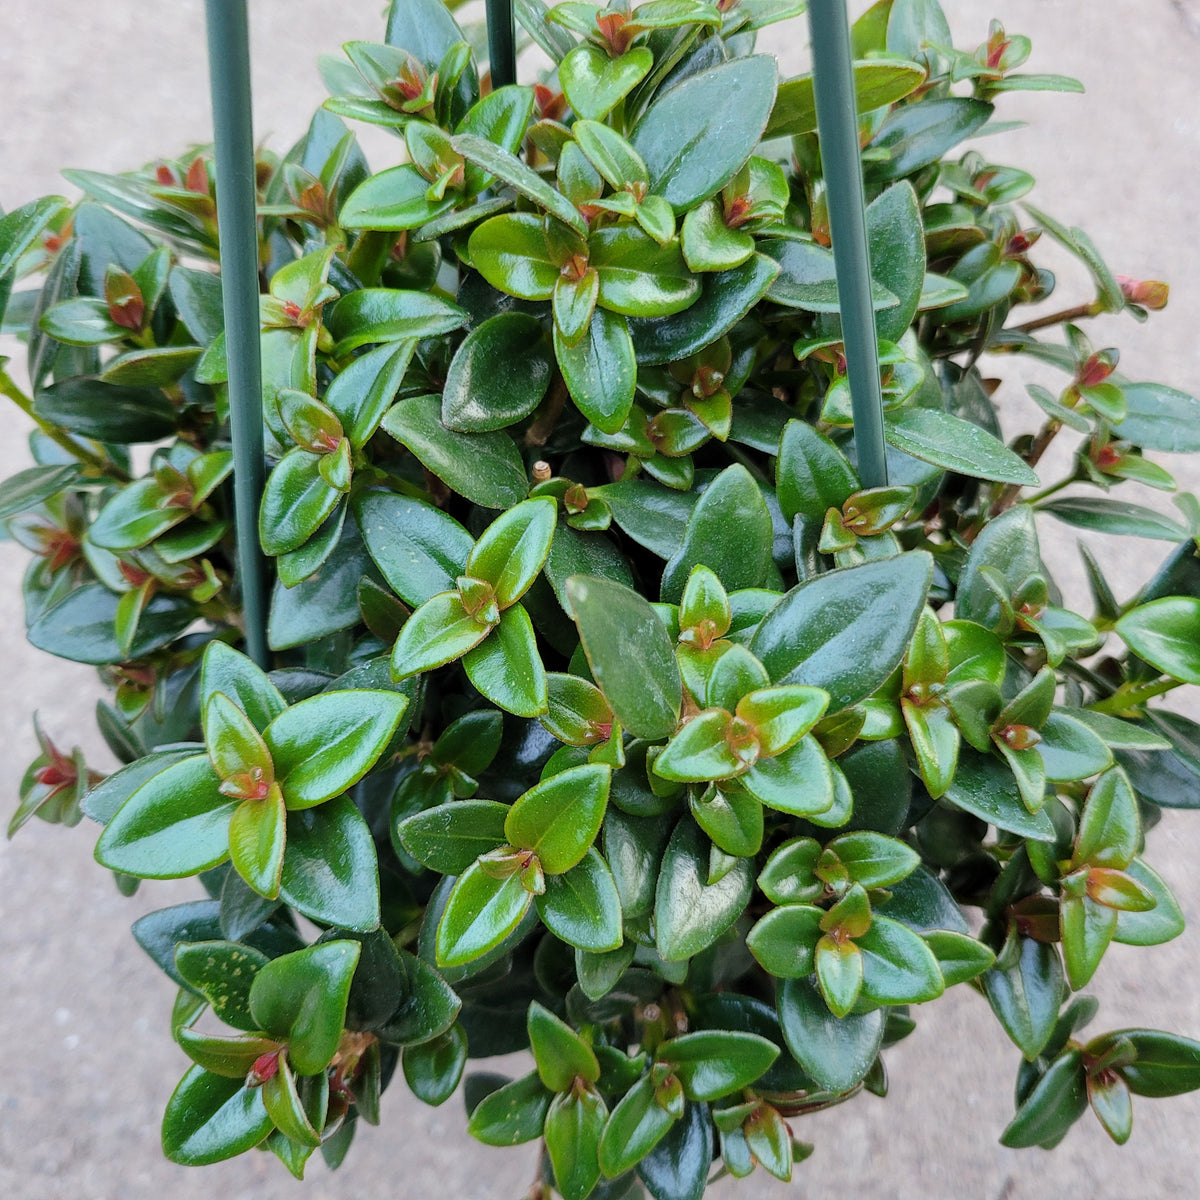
(630, 654)
(175, 824)
(390, 315)
(845, 631)
(324, 745)
(733, 501)
(1114, 516)
(1054, 1105)
(695, 136)
(599, 370)
(559, 818)
(209, 1118)
(498, 375)
(947, 441)
(301, 999)
(486, 468)
(481, 912)
(836, 1053)
(689, 912)
(581, 906)
(875, 84)
(419, 549)
(1026, 996)
(330, 870)
(105, 411)
(449, 838)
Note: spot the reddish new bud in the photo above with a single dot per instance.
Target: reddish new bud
(1097, 368)
(1149, 293)
(197, 177)
(264, 1067)
(550, 104)
(165, 175)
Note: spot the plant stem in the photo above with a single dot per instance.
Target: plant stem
(25, 404)
(1046, 493)
(1126, 698)
(1068, 314)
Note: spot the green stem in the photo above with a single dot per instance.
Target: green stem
(1047, 492)
(69, 444)
(1126, 697)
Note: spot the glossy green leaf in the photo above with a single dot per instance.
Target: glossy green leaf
(581, 906)
(511, 170)
(1160, 418)
(725, 298)
(636, 1126)
(837, 1053)
(807, 279)
(390, 315)
(324, 745)
(898, 967)
(638, 276)
(1026, 995)
(1103, 515)
(875, 84)
(209, 1118)
(732, 501)
(433, 1069)
(983, 785)
(783, 940)
(330, 869)
(364, 390)
(450, 837)
(643, 685)
(498, 375)
(512, 253)
(1166, 1064)
(689, 912)
(106, 412)
(394, 200)
(712, 1063)
(560, 1053)
(599, 370)
(916, 135)
(845, 631)
(257, 831)
(1109, 828)
(175, 824)
(507, 666)
(295, 501)
(574, 1126)
(559, 818)
(301, 998)
(511, 551)
(512, 1114)
(1161, 923)
(1057, 1101)
(948, 441)
(695, 136)
(419, 550)
(481, 912)
(1166, 633)
(594, 83)
(223, 973)
(486, 468)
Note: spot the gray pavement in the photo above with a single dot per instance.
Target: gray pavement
(85, 1058)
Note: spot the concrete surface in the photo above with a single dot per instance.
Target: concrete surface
(85, 1059)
